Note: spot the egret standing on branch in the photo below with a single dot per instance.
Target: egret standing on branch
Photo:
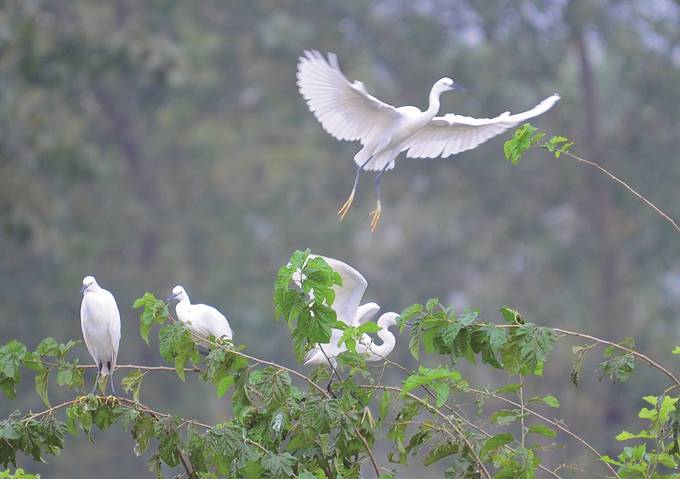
(202, 319)
(100, 321)
(348, 112)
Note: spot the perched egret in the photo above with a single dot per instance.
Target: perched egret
(348, 310)
(202, 319)
(348, 112)
(100, 322)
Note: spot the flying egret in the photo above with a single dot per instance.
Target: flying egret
(348, 112)
(100, 322)
(202, 319)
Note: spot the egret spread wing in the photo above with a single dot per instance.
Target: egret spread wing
(450, 134)
(348, 296)
(346, 110)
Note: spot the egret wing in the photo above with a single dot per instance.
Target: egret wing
(348, 296)
(346, 110)
(85, 327)
(450, 134)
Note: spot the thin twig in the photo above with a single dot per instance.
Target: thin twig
(436, 411)
(625, 185)
(530, 411)
(521, 401)
(540, 416)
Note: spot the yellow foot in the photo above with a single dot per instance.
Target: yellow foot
(375, 218)
(110, 400)
(345, 207)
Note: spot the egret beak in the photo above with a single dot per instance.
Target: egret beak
(170, 298)
(458, 88)
(83, 288)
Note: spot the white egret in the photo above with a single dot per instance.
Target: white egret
(202, 319)
(100, 322)
(378, 352)
(348, 112)
(348, 310)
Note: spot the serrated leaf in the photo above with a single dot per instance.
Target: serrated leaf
(41, 382)
(279, 465)
(440, 452)
(496, 442)
(384, 405)
(542, 430)
(133, 383)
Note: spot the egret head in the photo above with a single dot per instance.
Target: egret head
(88, 284)
(447, 84)
(388, 320)
(178, 294)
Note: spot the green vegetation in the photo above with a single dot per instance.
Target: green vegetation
(156, 143)
(284, 424)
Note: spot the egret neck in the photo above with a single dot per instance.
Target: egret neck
(433, 108)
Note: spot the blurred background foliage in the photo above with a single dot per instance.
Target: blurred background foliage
(163, 142)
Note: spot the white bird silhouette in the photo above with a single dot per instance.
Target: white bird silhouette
(348, 112)
(202, 319)
(379, 352)
(100, 322)
(347, 308)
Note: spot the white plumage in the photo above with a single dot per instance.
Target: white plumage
(347, 308)
(378, 352)
(202, 319)
(100, 322)
(348, 112)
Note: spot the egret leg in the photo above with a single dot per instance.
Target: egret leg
(113, 388)
(375, 214)
(346, 205)
(96, 379)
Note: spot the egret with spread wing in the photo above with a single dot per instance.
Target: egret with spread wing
(348, 310)
(348, 112)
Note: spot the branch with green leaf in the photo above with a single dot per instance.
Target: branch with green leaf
(285, 424)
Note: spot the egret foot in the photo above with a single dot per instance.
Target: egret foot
(375, 218)
(111, 400)
(345, 207)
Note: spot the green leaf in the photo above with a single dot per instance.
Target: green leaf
(550, 400)
(625, 435)
(496, 442)
(279, 465)
(384, 405)
(176, 346)
(676, 350)
(440, 452)
(620, 364)
(511, 316)
(223, 385)
(41, 381)
(70, 375)
(512, 388)
(542, 430)
(274, 386)
(133, 383)
(11, 356)
(505, 417)
(154, 311)
(523, 138)
(441, 392)
(48, 347)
